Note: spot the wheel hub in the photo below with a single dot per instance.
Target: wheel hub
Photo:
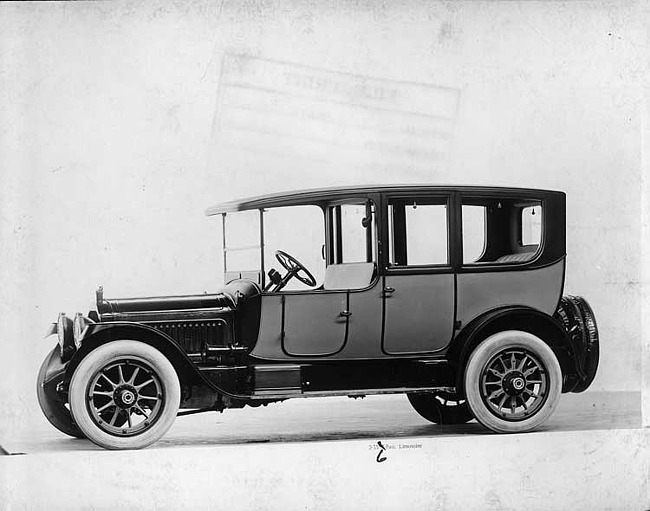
(514, 383)
(125, 396)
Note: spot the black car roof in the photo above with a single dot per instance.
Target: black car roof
(328, 194)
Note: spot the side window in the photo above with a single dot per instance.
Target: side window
(300, 232)
(418, 232)
(352, 248)
(501, 230)
(474, 233)
(357, 233)
(531, 225)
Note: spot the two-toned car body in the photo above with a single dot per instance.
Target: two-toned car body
(449, 294)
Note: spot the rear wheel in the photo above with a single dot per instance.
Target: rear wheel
(441, 407)
(124, 395)
(513, 382)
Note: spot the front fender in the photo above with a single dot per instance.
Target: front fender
(52, 369)
(102, 333)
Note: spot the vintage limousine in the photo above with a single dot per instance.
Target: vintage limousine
(451, 295)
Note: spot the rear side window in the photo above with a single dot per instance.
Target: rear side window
(473, 232)
(531, 225)
(501, 231)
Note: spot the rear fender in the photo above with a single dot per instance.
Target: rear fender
(526, 319)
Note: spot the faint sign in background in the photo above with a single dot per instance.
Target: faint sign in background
(283, 116)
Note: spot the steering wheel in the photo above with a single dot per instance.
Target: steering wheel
(295, 268)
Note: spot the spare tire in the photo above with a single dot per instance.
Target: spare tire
(579, 321)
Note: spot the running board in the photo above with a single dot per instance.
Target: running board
(294, 393)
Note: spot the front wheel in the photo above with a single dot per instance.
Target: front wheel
(513, 382)
(124, 395)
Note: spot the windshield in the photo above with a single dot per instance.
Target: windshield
(242, 241)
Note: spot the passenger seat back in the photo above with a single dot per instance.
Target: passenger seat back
(348, 276)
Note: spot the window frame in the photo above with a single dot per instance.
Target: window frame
(485, 234)
(519, 202)
(330, 243)
(520, 234)
(448, 199)
(334, 230)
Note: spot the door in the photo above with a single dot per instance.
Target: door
(315, 324)
(418, 313)
(345, 305)
(419, 295)
(343, 318)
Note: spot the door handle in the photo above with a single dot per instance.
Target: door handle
(345, 314)
(389, 289)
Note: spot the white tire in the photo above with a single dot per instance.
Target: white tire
(513, 382)
(124, 395)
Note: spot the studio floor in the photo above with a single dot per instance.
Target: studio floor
(340, 453)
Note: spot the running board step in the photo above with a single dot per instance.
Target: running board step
(277, 380)
(287, 393)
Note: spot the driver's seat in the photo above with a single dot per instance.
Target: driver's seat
(348, 276)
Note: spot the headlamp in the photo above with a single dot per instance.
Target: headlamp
(78, 328)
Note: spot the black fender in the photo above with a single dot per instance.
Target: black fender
(102, 333)
(526, 319)
(52, 371)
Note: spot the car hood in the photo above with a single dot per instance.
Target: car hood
(164, 303)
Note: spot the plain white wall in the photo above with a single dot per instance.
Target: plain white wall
(110, 142)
